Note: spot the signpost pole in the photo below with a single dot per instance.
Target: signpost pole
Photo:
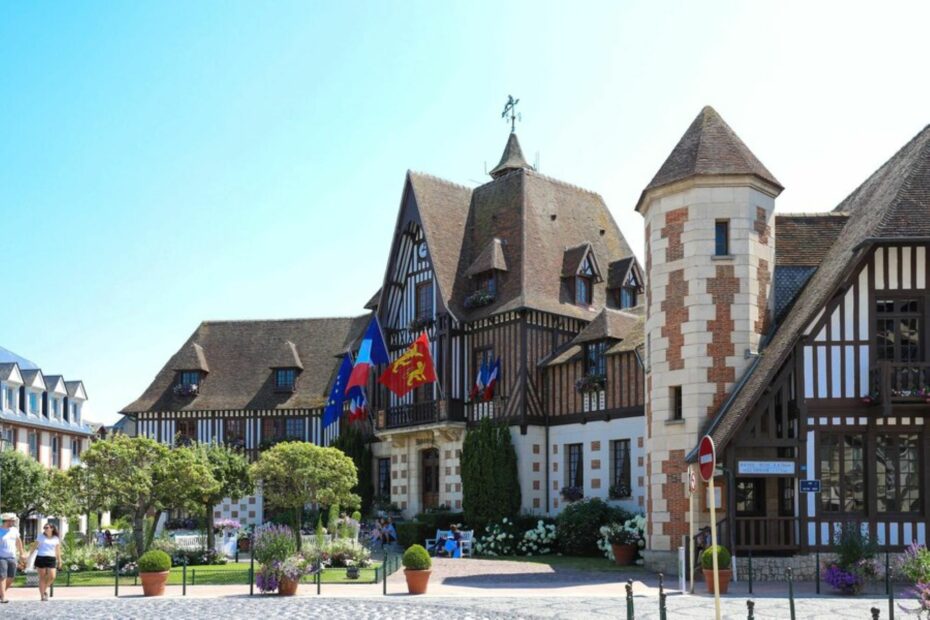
(691, 564)
(707, 463)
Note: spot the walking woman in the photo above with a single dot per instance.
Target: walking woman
(11, 552)
(48, 558)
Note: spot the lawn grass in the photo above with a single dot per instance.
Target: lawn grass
(571, 562)
(231, 573)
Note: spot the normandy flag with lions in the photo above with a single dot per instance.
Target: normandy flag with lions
(412, 369)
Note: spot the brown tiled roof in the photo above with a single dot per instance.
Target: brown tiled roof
(511, 159)
(709, 147)
(190, 357)
(611, 325)
(536, 218)
(802, 239)
(573, 257)
(893, 203)
(618, 270)
(443, 209)
(374, 301)
(285, 355)
(491, 258)
(241, 356)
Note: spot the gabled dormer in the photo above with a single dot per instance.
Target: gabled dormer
(190, 366)
(55, 395)
(485, 273)
(581, 272)
(77, 395)
(10, 381)
(31, 392)
(625, 284)
(286, 366)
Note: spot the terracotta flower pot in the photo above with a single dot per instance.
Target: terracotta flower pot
(287, 587)
(723, 576)
(624, 554)
(417, 580)
(153, 584)
(244, 544)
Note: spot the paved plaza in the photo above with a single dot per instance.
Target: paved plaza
(491, 607)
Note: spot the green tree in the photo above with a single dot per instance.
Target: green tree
(293, 474)
(138, 475)
(24, 484)
(490, 483)
(230, 469)
(354, 444)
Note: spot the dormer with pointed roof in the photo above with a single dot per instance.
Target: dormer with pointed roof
(512, 158)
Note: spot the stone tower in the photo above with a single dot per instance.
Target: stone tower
(710, 252)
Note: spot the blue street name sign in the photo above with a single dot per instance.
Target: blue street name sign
(810, 486)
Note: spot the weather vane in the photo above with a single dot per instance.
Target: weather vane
(511, 109)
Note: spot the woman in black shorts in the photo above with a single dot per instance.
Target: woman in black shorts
(48, 558)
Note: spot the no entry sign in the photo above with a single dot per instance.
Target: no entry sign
(707, 458)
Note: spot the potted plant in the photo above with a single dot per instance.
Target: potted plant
(289, 573)
(352, 570)
(624, 542)
(154, 567)
(274, 546)
(244, 542)
(572, 494)
(854, 563)
(723, 574)
(590, 383)
(417, 565)
(481, 297)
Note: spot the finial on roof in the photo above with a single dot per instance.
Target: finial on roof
(511, 108)
(512, 159)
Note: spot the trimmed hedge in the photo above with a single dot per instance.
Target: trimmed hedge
(412, 533)
(490, 484)
(154, 561)
(417, 558)
(723, 558)
(579, 525)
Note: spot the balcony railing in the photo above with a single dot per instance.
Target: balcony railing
(898, 382)
(429, 412)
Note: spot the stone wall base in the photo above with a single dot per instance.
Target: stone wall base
(665, 562)
(803, 567)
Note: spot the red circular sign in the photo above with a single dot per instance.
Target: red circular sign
(707, 458)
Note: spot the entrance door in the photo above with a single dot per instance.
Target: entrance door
(430, 478)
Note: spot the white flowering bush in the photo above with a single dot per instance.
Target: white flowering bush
(632, 531)
(499, 539)
(538, 541)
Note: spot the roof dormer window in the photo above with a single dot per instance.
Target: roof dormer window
(285, 379)
(188, 382)
(33, 399)
(580, 268)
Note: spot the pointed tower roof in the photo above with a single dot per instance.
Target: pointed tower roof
(709, 147)
(512, 159)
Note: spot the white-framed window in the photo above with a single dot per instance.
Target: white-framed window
(76, 413)
(10, 396)
(75, 451)
(33, 403)
(55, 406)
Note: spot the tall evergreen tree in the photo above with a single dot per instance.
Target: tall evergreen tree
(490, 482)
(354, 444)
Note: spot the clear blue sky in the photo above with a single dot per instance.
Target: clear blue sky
(165, 163)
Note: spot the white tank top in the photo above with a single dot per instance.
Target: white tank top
(47, 546)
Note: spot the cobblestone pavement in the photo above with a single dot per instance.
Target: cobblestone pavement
(448, 608)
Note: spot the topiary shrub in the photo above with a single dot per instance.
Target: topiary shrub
(723, 558)
(490, 484)
(154, 561)
(417, 558)
(579, 525)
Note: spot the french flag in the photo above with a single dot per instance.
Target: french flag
(491, 379)
(371, 352)
(358, 405)
(480, 381)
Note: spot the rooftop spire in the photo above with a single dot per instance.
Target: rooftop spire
(512, 159)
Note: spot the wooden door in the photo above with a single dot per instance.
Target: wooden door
(430, 478)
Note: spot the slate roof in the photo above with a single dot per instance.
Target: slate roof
(241, 355)
(708, 147)
(8, 357)
(610, 324)
(7, 369)
(892, 204)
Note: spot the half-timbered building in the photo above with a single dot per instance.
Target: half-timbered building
(798, 342)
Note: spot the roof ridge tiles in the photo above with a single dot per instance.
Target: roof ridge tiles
(420, 173)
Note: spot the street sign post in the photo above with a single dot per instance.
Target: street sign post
(707, 462)
(692, 487)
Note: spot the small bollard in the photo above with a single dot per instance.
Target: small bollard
(750, 608)
(750, 571)
(629, 600)
(875, 613)
(384, 573)
(817, 561)
(251, 564)
(116, 577)
(791, 593)
(887, 578)
(663, 613)
(184, 577)
(319, 574)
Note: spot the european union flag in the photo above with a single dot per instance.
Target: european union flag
(337, 395)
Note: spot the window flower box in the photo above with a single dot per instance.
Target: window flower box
(572, 494)
(591, 383)
(479, 298)
(186, 389)
(419, 324)
(619, 491)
